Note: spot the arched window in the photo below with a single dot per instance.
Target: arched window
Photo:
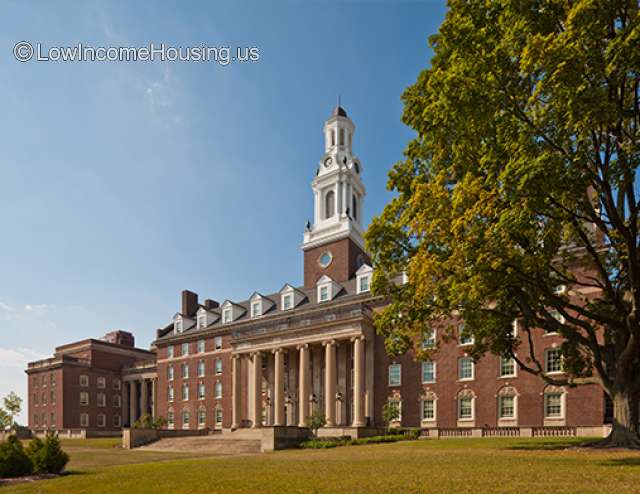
(333, 137)
(341, 142)
(507, 403)
(466, 405)
(329, 204)
(354, 207)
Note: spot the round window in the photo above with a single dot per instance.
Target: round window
(325, 259)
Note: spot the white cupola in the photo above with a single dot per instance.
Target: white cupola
(337, 187)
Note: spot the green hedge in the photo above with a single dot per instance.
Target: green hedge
(329, 442)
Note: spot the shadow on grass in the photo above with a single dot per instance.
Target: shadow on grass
(631, 461)
(552, 445)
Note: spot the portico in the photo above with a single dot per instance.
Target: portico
(139, 392)
(284, 372)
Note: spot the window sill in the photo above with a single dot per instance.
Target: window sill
(428, 382)
(508, 377)
(466, 379)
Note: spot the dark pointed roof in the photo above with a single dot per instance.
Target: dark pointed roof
(338, 111)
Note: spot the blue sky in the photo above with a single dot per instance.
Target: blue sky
(123, 183)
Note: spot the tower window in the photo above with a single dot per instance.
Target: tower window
(329, 204)
(341, 142)
(333, 137)
(354, 207)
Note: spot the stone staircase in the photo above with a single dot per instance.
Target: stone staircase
(222, 444)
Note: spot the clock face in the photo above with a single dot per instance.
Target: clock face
(325, 259)
(327, 162)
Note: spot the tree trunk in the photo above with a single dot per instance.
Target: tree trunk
(624, 433)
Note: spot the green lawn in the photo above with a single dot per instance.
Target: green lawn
(453, 465)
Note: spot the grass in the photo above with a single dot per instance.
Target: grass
(445, 466)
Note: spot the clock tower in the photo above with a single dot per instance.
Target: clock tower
(333, 244)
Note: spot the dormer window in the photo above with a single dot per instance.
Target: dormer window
(327, 289)
(324, 294)
(256, 309)
(290, 297)
(202, 321)
(177, 325)
(287, 301)
(363, 278)
(227, 316)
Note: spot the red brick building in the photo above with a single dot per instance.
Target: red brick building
(81, 387)
(271, 360)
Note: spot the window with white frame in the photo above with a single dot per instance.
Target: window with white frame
(117, 401)
(185, 392)
(201, 368)
(227, 316)
(287, 301)
(396, 404)
(363, 284)
(200, 346)
(84, 420)
(507, 367)
(201, 391)
(256, 309)
(171, 419)
(185, 419)
(185, 349)
(84, 380)
(185, 371)
(428, 409)
(202, 418)
(429, 339)
(170, 351)
(177, 325)
(53, 419)
(117, 421)
(506, 406)
(553, 405)
(323, 293)
(465, 407)
(170, 393)
(428, 372)
(464, 335)
(217, 390)
(218, 366)
(202, 321)
(101, 400)
(553, 360)
(101, 420)
(84, 398)
(170, 373)
(117, 384)
(218, 416)
(395, 375)
(465, 369)
(218, 342)
(514, 328)
(101, 382)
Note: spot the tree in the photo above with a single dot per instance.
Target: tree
(14, 462)
(522, 180)
(316, 420)
(47, 456)
(390, 413)
(5, 420)
(13, 405)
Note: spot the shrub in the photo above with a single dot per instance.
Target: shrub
(346, 441)
(14, 462)
(47, 456)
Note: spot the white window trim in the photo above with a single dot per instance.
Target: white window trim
(203, 395)
(515, 409)
(321, 289)
(399, 383)
(507, 376)
(84, 380)
(216, 340)
(287, 296)
(217, 386)
(434, 372)
(459, 409)
(425, 342)
(473, 369)
(202, 321)
(227, 315)
(563, 406)
(256, 309)
(435, 411)
(84, 423)
(399, 402)
(546, 365)
(471, 337)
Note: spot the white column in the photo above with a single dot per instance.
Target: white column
(133, 403)
(154, 398)
(235, 392)
(125, 404)
(303, 387)
(330, 383)
(317, 213)
(358, 384)
(144, 395)
(278, 402)
(257, 390)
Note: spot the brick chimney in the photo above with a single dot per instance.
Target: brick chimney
(118, 337)
(210, 304)
(189, 303)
